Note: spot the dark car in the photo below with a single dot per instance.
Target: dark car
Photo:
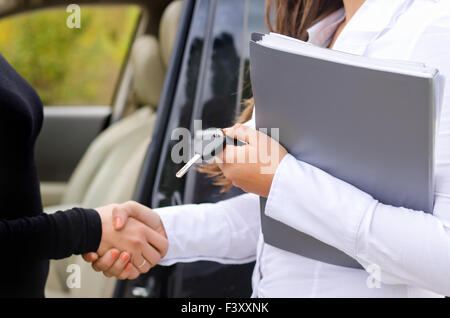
(208, 79)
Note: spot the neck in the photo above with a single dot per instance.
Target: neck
(351, 6)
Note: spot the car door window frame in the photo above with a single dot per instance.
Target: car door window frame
(166, 279)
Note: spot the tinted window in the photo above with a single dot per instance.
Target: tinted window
(169, 189)
(219, 59)
(255, 23)
(210, 81)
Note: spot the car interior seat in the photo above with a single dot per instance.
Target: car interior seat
(109, 170)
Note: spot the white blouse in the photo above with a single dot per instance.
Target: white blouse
(410, 248)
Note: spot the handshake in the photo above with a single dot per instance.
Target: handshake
(133, 241)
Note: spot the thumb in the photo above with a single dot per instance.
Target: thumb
(120, 217)
(137, 211)
(90, 257)
(241, 132)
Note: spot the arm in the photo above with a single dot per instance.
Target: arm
(79, 231)
(225, 232)
(54, 236)
(410, 247)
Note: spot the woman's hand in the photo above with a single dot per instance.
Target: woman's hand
(143, 242)
(114, 263)
(253, 166)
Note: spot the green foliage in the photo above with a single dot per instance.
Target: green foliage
(70, 66)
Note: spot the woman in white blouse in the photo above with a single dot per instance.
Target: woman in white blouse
(411, 248)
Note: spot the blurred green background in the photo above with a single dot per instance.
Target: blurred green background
(70, 66)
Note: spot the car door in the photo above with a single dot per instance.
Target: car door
(207, 81)
(79, 70)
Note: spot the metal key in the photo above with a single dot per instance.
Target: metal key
(216, 141)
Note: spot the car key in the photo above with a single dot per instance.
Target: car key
(216, 142)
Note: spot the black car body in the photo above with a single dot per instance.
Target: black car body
(207, 80)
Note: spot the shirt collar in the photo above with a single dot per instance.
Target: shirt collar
(322, 32)
(372, 20)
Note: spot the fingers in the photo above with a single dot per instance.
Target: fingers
(241, 132)
(239, 154)
(126, 272)
(152, 255)
(122, 268)
(129, 272)
(113, 264)
(159, 242)
(118, 267)
(105, 262)
(234, 155)
(138, 211)
(133, 272)
(141, 263)
(148, 255)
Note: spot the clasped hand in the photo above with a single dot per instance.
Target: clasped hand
(136, 240)
(133, 241)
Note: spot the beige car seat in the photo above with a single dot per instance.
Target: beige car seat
(109, 170)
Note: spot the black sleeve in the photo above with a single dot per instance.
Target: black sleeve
(52, 236)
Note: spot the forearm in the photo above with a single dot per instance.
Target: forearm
(54, 236)
(225, 232)
(410, 247)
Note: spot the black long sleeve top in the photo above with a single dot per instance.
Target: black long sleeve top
(28, 237)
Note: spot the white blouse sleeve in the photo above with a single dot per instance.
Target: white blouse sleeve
(410, 247)
(224, 232)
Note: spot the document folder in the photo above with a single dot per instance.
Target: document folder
(368, 122)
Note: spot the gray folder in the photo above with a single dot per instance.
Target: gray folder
(371, 127)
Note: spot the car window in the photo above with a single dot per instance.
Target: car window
(219, 62)
(212, 79)
(168, 189)
(226, 82)
(255, 23)
(71, 65)
(218, 99)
